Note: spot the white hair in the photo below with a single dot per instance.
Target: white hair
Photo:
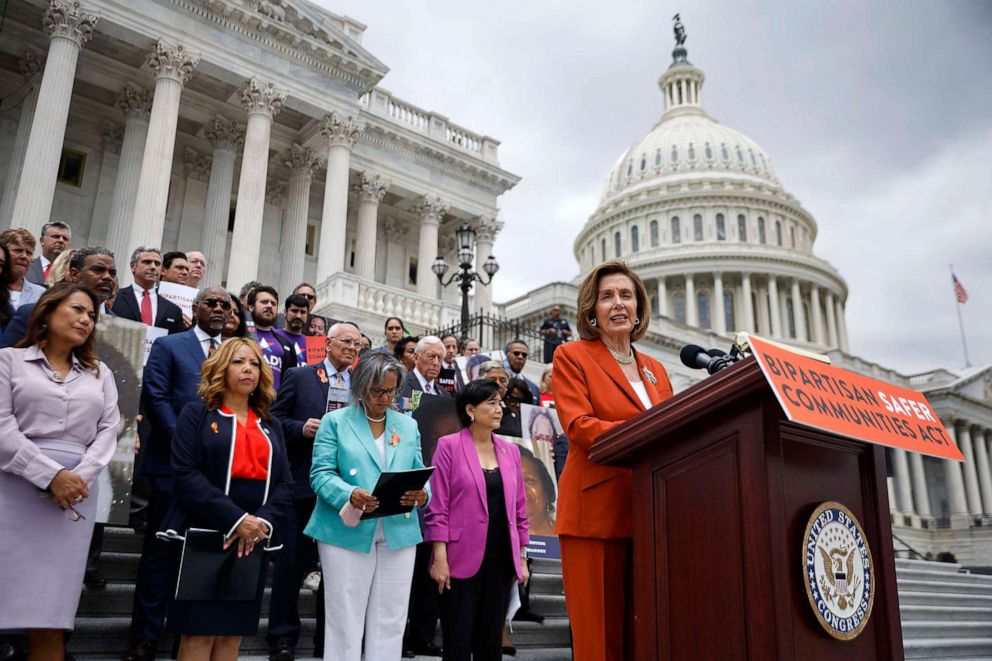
(427, 341)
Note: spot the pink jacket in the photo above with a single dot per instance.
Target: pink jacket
(458, 513)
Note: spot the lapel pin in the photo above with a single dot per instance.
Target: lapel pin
(322, 375)
(650, 376)
(213, 428)
(394, 439)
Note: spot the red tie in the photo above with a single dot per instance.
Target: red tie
(146, 309)
(47, 269)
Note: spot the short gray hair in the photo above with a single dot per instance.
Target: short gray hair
(488, 366)
(62, 225)
(427, 341)
(371, 372)
(140, 249)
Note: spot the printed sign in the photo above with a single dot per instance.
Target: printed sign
(538, 467)
(337, 398)
(836, 400)
(181, 295)
(152, 333)
(316, 349)
(446, 380)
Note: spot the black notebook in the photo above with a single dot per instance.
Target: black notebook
(390, 488)
(209, 572)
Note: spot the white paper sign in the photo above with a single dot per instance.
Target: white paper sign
(152, 333)
(181, 295)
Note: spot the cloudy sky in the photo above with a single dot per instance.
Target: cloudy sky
(878, 117)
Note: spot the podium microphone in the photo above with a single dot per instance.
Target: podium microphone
(696, 357)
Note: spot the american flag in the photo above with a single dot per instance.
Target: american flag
(959, 291)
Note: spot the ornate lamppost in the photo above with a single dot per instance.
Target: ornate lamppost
(465, 275)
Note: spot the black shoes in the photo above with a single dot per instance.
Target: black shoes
(142, 649)
(413, 649)
(94, 580)
(283, 651)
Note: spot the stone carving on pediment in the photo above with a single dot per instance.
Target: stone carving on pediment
(223, 133)
(371, 187)
(112, 137)
(301, 160)
(429, 208)
(275, 192)
(340, 129)
(396, 229)
(486, 228)
(172, 62)
(30, 64)
(134, 102)
(259, 97)
(197, 165)
(66, 19)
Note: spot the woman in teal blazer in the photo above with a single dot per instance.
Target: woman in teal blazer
(367, 565)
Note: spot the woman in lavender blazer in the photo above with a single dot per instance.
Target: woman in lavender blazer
(477, 522)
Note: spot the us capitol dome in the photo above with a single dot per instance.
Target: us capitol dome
(698, 211)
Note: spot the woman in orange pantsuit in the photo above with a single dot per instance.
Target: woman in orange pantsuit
(600, 382)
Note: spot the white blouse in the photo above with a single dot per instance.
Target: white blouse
(642, 393)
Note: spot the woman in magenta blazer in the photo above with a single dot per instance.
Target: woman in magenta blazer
(477, 522)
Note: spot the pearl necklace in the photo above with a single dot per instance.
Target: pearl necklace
(619, 357)
(371, 419)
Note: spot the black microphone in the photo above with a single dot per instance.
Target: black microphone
(696, 357)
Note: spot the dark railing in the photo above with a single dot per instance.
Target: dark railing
(494, 332)
(908, 548)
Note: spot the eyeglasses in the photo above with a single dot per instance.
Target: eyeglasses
(519, 353)
(70, 512)
(379, 392)
(309, 297)
(214, 302)
(348, 342)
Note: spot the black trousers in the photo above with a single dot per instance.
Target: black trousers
(424, 607)
(156, 571)
(297, 558)
(473, 613)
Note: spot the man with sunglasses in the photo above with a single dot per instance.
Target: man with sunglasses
(305, 395)
(516, 359)
(171, 379)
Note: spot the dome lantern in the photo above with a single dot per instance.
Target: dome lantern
(681, 83)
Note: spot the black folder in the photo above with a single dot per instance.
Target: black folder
(391, 487)
(209, 572)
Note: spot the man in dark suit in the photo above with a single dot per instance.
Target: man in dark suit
(171, 379)
(427, 358)
(516, 360)
(141, 302)
(302, 401)
(56, 238)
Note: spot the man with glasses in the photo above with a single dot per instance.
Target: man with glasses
(305, 396)
(171, 379)
(516, 359)
(427, 358)
(197, 267)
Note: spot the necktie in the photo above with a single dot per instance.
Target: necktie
(47, 269)
(213, 345)
(146, 309)
(429, 388)
(338, 380)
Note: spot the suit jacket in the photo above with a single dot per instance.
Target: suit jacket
(592, 396)
(168, 315)
(201, 464)
(411, 383)
(534, 390)
(17, 327)
(30, 293)
(171, 379)
(302, 395)
(345, 457)
(459, 511)
(36, 272)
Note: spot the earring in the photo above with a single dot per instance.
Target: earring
(592, 322)
(471, 418)
(637, 322)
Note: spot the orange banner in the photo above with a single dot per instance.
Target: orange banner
(836, 400)
(316, 349)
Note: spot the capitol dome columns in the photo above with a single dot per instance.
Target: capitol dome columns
(68, 28)
(225, 136)
(263, 101)
(719, 321)
(136, 105)
(30, 66)
(302, 163)
(817, 334)
(798, 312)
(371, 188)
(173, 67)
(774, 312)
(691, 311)
(340, 132)
(747, 303)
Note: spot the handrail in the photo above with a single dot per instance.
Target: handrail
(908, 547)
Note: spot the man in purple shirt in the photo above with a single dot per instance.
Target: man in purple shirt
(278, 352)
(296, 317)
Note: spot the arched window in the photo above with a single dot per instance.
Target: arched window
(741, 227)
(654, 233)
(729, 318)
(792, 235)
(697, 227)
(692, 152)
(754, 163)
(761, 230)
(630, 168)
(635, 239)
(675, 154)
(724, 152)
(602, 251)
(657, 158)
(778, 232)
(678, 300)
(709, 152)
(721, 228)
(616, 245)
(740, 155)
(644, 162)
(703, 302)
(676, 230)
(790, 313)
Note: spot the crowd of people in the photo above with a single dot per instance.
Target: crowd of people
(247, 451)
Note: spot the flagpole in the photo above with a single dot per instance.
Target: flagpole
(964, 342)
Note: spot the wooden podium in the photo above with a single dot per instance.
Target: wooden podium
(723, 487)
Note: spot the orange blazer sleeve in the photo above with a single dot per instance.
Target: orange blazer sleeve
(573, 401)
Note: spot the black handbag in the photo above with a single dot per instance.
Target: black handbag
(209, 572)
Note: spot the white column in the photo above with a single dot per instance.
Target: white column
(719, 324)
(135, 104)
(173, 67)
(831, 320)
(798, 312)
(841, 327)
(194, 200)
(263, 102)
(662, 297)
(774, 313)
(302, 163)
(921, 493)
(904, 492)
(746, 305)
(30, 66)
(225, 136)
(112, 138)
(691, 311)
(68, 29)
(273, 218)
(486, 230)
(984, 473)
(970, 474)
(816, 315)
(956, 498)
(370, 188)
(341, 133)
(430, 209)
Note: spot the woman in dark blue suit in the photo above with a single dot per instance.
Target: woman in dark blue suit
(231, 474)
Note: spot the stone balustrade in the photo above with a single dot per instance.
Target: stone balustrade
(347, 293)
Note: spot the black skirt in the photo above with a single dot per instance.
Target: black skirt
(224, 618)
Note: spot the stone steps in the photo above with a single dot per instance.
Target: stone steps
(949, 648)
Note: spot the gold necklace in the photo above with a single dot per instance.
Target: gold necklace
(619, 357)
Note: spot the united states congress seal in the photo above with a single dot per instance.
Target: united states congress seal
(838, 570)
